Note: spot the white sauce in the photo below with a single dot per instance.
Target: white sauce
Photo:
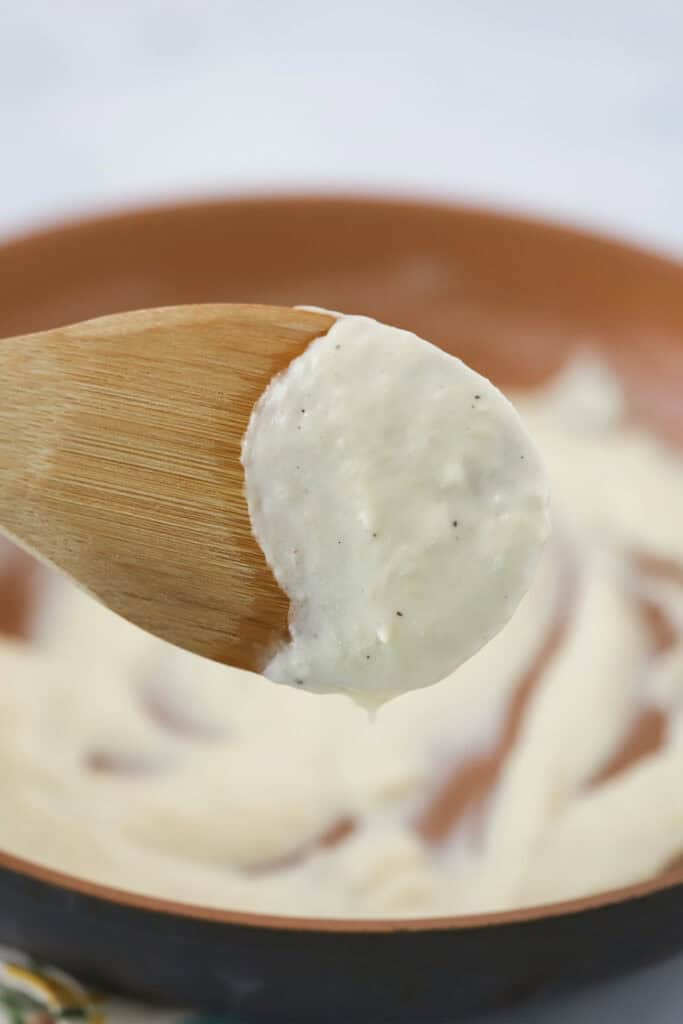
(125, 761)
(401, 505)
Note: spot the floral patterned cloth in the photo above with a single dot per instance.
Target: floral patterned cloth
(35, 993)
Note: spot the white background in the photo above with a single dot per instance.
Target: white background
(574, 109)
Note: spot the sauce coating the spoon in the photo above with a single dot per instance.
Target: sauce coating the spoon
(401, 505)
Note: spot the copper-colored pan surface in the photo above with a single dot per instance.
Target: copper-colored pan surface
(510, 296)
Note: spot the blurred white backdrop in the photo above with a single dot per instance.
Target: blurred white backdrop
(573, 109)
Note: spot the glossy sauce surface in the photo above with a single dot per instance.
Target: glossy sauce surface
(401, 505)
(189, 781)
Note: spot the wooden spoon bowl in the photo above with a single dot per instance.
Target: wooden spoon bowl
(510, 296)
(120, 443)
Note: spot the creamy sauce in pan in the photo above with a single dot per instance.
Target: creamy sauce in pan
(125, 761)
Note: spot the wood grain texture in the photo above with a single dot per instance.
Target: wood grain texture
(120, 445)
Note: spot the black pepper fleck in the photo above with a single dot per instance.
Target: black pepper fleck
(477, 397)
(400, 614)
(299, 682)
(374, 535)
(455, 522)
(303, 410)
(337, 346)
(367, 657)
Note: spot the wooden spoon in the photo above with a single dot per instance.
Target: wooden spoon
(120, 464)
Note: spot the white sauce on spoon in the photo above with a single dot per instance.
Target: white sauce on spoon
(401, 505)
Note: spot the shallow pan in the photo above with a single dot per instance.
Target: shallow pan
(511, 297)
